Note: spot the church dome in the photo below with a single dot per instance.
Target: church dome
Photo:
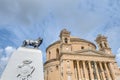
(77, 41)
(68, 43)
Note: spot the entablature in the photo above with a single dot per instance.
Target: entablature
(87, 58)
(91, 55)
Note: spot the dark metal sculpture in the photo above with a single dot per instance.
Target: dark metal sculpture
(35, 43)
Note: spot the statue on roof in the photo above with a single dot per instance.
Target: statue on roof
(35, 43)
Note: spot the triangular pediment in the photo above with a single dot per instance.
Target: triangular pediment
(92, 53)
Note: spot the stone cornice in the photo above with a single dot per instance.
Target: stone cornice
(51, 60)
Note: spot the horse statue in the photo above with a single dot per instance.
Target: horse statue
(35, 43)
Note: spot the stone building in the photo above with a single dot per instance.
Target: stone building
(72, 58)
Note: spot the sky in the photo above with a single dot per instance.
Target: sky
(30, 19)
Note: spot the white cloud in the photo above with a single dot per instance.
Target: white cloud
(82, 16)
(1, 51)
(4, 56)
(118, 50)
(118, 57)
(65, 12)
(9, 50)
(5, 59)
(21, 11)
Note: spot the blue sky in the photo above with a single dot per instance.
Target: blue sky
(29, 19)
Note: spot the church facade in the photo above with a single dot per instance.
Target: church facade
(72, 58)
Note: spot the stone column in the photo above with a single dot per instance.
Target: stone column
(97, 73)
(81, 70)
(102, 71)
(112, 71)
(107, 71)
(86, 66)
(78, 68)
(85, 72)
(91, 71)
(75, 70)
(72, 70)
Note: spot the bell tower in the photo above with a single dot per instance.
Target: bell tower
(65, 36)
(65, 40)
(103, 44)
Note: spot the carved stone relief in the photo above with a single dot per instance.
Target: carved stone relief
(25, 70)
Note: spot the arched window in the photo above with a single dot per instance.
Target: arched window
(100, 45)
(57, 67)
(105, 45)
(49, 56)
(57, 53)
(66, 40)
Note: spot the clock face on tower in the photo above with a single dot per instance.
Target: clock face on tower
(25, 70)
